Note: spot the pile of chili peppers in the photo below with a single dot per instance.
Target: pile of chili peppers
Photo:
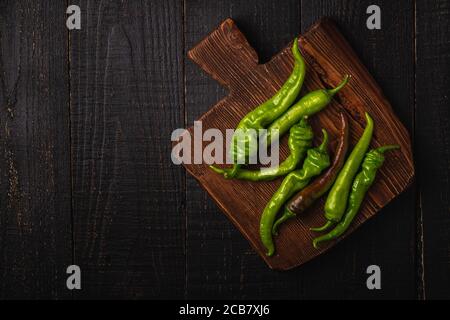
(347, 178)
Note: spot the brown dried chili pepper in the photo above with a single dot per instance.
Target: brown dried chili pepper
(306, 197)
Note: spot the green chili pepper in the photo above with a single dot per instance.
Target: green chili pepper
(267, 112)
(337, 198)
(304, 198)
(300, 140)
(372, 162)
(317, 159)
(308, 105)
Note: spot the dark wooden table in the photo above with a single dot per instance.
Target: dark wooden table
(85, 171)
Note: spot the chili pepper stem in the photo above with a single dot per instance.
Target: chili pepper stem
(324, 144)
(325, 227)
(217, 170)
(230, 174)
(316, 242)
(335, 90)
(288, 215)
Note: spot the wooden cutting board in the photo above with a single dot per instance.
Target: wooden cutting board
(227, 57)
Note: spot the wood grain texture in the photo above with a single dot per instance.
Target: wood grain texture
(433, 143)
(128, 199)
(35, 216)
(329, 57)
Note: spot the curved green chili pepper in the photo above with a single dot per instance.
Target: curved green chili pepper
(300, 140)
(316, 161)
(308, 105)
(337, 198)
(372, 162)
(267, 112)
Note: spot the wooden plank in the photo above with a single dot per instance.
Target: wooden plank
(35, 214)
(389, 239)
(220, 263)
(126, 80)
(224, 54)
(433, 142)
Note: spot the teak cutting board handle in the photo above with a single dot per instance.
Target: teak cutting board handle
(226, 55)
